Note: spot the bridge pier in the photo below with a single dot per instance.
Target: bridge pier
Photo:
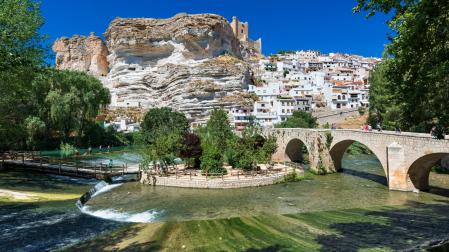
(406, 158)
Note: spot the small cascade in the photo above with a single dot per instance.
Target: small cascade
(112, 214)
(88, 195)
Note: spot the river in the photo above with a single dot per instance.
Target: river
(348, 211)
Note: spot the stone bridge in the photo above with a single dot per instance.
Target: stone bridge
(406, 158)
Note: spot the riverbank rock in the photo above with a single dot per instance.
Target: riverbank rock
(87, 54)
(187, 62)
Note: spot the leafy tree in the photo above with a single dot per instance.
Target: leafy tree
(21, 54)
(68, 100)
(251, 148)
(192, 149)
(212, 158)
(218, 129)
(417, 68)
(269, 147)
(233, 151)
(163, 120)
(162, 136)
(20, 41)
(299, 119)
(34, 127)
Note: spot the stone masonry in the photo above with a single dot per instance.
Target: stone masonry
(406, 158)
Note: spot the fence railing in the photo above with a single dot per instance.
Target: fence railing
(190, 173)
(61, 165)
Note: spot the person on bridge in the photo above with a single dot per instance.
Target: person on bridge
(433, 132)
(334, 126)
(379, 128)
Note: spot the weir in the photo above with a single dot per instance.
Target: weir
(112, 214)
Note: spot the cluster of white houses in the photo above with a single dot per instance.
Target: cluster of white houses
(305, 80)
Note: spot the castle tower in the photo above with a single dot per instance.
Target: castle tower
(240, 29)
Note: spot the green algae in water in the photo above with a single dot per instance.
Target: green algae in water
(361, 185)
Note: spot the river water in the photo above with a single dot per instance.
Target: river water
(48, 225)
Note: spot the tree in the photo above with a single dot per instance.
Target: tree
(20, 41)
(247, 151)
(68, 100)
(191, 150)
(211, 158)
(268, 149)
(163, 121)
(21, 54)
(299, 119)
(162, 136)
(418, 67)
(34, 127)
(218, 129)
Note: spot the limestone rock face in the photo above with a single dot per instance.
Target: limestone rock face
(88, 54)
(198, 36)
(188, 62)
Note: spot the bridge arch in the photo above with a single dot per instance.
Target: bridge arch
(294, 150)
(419, 171)
(338, 149)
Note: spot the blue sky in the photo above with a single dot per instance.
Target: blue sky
(325, 25)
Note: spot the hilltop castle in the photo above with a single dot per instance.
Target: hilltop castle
(241, 32)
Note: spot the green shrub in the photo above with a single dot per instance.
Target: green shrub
(67, 149)
(329, 139)
(439, 169)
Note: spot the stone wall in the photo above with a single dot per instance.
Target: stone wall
(212, 183)
(334, 116)
(406, 158)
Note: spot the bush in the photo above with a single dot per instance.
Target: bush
(211, 159)
(357, 148)
(361, 110)
(299, 119)
(292, 177)
(67, 150)
(439, 169)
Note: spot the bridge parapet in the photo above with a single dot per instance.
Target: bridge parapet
(406, 157)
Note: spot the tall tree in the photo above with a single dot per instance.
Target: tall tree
(163, 121)
(21, 53)
(68, 100)
(418, 60)
(162, 136)
(218, 128)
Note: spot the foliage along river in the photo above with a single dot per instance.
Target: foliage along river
(348, 211)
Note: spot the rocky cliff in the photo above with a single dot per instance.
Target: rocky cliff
(82, 53)
(187, 62)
